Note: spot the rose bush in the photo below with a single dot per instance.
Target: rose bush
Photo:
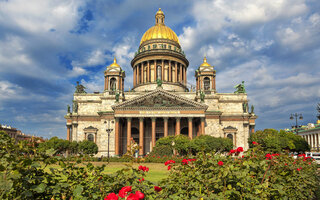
(255, 175)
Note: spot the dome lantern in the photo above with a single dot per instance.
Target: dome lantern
(160, 17)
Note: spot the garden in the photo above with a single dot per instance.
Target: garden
(203, 168)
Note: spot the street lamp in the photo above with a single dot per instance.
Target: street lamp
(109, 130)
(296, 116)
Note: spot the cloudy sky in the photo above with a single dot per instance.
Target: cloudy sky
(48, 45)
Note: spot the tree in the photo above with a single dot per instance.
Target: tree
(59, 145)
(88, 147)
(207, 143)
(276, 141)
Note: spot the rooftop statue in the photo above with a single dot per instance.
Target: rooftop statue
(202, 95)
(159, 82)
(68, 109)
(80, 88)
(252, 109)
(117, 97)
(240, 88)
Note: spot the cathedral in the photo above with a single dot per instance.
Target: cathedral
(161, 102)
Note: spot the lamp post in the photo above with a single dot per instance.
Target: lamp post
(109, 130)
(296, 116)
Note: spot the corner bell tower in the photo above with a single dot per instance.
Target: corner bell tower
(206, 77)
(114, 78)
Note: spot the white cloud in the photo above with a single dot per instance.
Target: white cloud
(37, 16)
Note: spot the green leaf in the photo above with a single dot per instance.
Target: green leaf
(78, 190)
(40, 188)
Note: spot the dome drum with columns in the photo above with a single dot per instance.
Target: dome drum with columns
(155, 109)
(160, 57)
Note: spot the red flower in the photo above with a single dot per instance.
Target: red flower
(298, 169)
(140, 180)
(111, 196)
(220, 163)
(285, 164)
(143, 168)
(169, 162)
(132, 197)
(184, 161)
(232, 151)
(124, 191)
(157, 188)
(169, 167)
(255, 143)
(239, 149)
(268, 156)
(139, 194)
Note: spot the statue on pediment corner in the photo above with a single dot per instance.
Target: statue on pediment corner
(240, 88)
(80, 89)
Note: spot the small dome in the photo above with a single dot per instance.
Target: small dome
(159, 31)
(205, 64)
(114, 64)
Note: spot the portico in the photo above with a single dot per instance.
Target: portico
(154, 115)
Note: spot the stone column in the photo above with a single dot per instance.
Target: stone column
(235, 139)
(202, 125)
(106, 84)
(116, 137)
(153, 133)
(148, 72)
(165, 126)
(177, 125)
(141, 150)
(176, 72)
(155, 70)
(190, 127)
(142, 74)
(212, 83)
(169, 72)
(85, 136)
(137, 70)
(197, 84)
(185, 75)
(199, 129)
(134, 76)
(317, 135)
(180, 75)
(162, 70)
(68, 133)
(128, 133)
(95, 138)
(201, 84)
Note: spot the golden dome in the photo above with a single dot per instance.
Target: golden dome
(114, 64)
(159, 31)
(205, 64)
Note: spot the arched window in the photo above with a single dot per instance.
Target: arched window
(206, 82)
(230, 136)
(113, 85)
(90, 137)
(159, 72)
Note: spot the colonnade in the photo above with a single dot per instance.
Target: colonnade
(177, 129)
(313, 140)
(175, 72)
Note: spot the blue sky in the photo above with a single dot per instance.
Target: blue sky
(46, 46)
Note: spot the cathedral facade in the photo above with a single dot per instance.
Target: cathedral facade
(160, 103)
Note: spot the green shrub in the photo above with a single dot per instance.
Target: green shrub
(207, 143)
(253, 176)
(272, 140)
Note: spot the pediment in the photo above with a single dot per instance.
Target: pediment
(162, 100)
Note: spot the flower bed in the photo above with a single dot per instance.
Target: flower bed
(254, 175)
